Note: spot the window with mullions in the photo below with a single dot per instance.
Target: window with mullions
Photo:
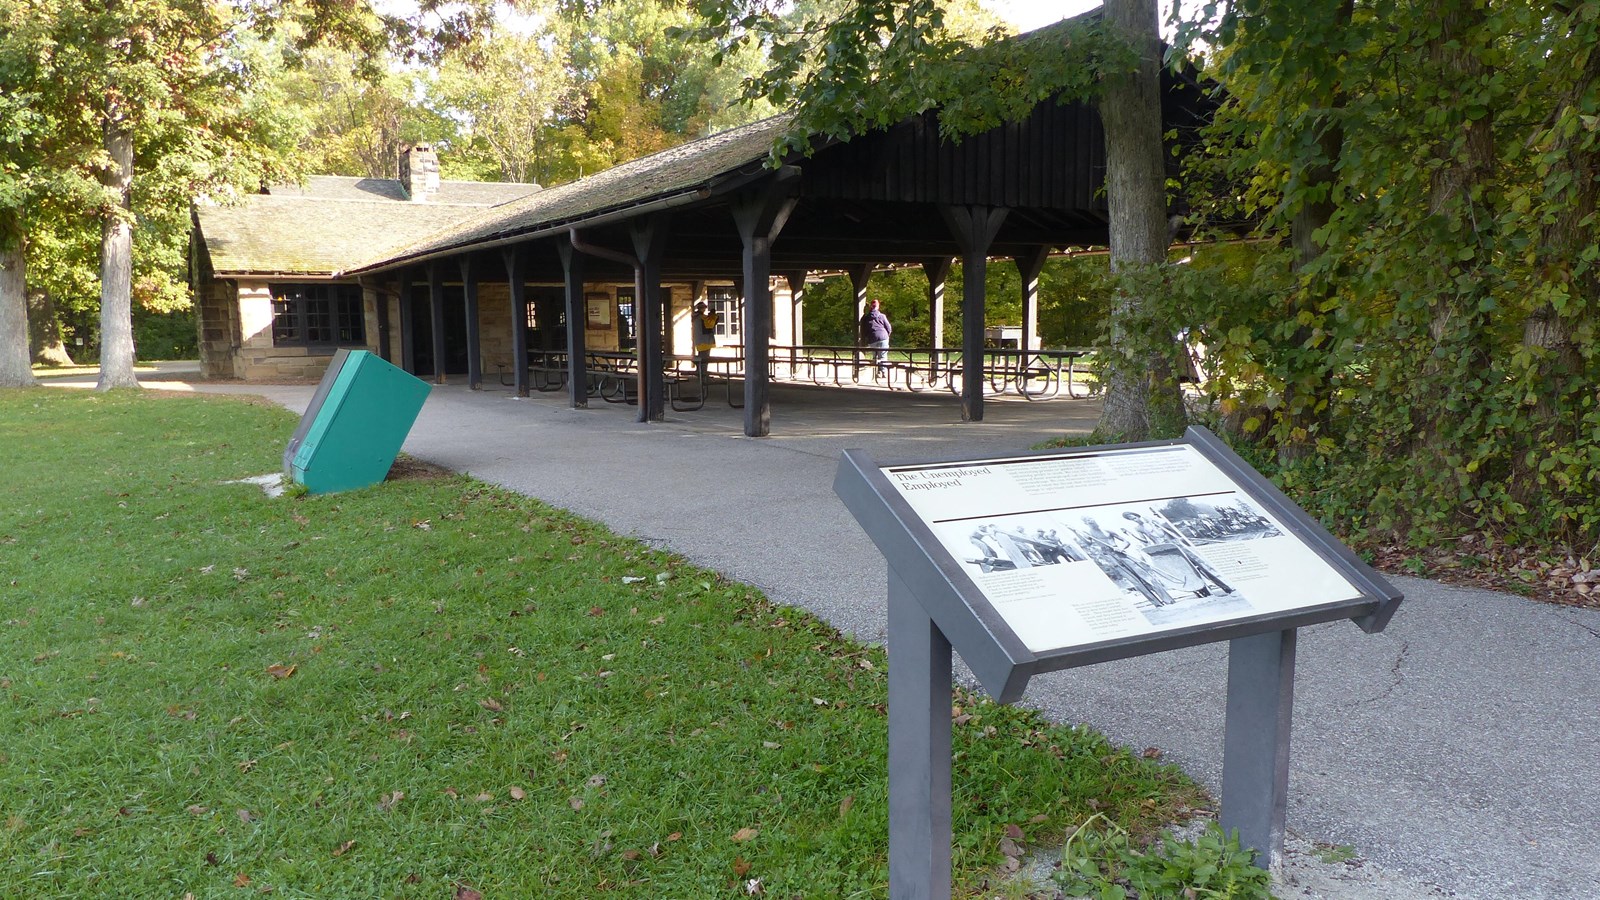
(317, 315)
(625, 332)
(725, 303)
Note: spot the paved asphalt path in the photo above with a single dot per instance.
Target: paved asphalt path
(1456, 752)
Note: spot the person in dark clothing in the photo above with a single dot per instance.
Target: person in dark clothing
(875, 331)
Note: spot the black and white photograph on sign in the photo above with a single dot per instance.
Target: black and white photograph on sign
(1208, 523)
(1080, 548)
(1014, 545)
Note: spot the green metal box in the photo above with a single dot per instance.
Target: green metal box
(358, 419)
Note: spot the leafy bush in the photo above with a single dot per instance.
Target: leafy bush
(1103, 862)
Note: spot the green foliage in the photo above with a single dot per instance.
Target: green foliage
(165, 335)
(1102, 861)
(847, 68)
(433, 684)
(1420, 366)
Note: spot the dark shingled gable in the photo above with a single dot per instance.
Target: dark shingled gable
(678, 170)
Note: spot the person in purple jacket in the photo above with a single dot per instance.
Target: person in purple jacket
(875, 331)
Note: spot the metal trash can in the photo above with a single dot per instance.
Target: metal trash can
(356, 423)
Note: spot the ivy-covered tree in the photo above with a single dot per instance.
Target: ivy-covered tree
(1419, 356)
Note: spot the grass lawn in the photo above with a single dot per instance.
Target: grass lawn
(434, 688)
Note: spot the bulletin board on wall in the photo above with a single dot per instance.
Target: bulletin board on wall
(598, 311)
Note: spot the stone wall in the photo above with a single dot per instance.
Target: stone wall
(217, 322)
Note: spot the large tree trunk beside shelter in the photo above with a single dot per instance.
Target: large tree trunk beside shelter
(16, 368)
(1141, 396)
(116, 265)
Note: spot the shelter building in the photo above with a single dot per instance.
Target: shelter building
(545, 285)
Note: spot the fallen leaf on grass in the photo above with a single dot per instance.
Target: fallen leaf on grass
(247, 765)
(343, 848)
(465, 893)
(518, 793)
(197, 810)
(1013, 832)
(675, 836)
(278, 670)
(491, 704)
(246, 816)
(846, 803)
(575, 802)
(241, 880)
(388, 801)
(744, 834)
(741, 866)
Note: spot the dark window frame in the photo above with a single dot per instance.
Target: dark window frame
(318, 315)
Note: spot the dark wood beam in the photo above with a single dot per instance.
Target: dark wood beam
(469, 292)
(974, 228)
(1029, 265)
(760, 214)
(436, 316)
(937, 269)
(573, 264)
(649, 245)
(516, 287)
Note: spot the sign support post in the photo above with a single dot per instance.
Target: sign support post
(919, 750)
(1255, 744)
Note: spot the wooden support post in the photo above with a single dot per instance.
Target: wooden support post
(797, 296)
(436, 316)
(760, 213)
(408, 318)
(380, 304)
(469, 292)
(975, 228)
(577, 321)
(649, 244)
(860, 275)
(938, 271)
(519, 317)
(1029, 265)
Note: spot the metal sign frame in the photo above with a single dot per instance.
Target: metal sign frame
(936, 607)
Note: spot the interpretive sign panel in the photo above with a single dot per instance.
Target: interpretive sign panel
(1034, 563)
(1038, 562)
(1081, 548)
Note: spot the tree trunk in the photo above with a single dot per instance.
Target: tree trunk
(1566, 235)
(1461, 171)
(116, 264)
(16, 368)
(1306, 402)
(44, 331)
(1141, 394)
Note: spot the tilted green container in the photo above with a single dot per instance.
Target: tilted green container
(356, 423)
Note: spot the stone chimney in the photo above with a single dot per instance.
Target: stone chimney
(419, 171)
